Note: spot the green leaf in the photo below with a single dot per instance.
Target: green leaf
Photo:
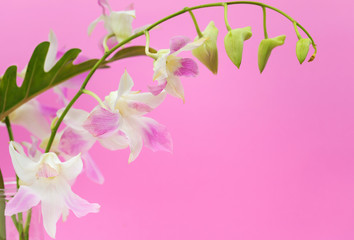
(37, 80)
(130, 52)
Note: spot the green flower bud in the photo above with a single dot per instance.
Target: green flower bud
(207, 53)
(302, 49)
(234, 43)
(265, 49)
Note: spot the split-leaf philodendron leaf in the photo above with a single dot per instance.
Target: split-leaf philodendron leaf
(37, 80)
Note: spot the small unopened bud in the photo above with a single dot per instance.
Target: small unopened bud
(207, 53)
(234, 43)
(265, 49)
(302, 49)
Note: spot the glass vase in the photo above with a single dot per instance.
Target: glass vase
(23, 226)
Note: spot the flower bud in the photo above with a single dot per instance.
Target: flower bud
(234, 43)
(302, 48)
(265, 49)
(207, 53)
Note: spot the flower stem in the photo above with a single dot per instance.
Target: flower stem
(105, 40)
(147, 46)
(27, 225)
(138, 34)
(94, 95)
(225, 18)
(265, 22)
(200, 34)
(18, 223)
(297, 30)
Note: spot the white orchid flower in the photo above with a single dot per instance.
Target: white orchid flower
(47, 181)
(121, 122)
(118, 23)
(168, 67)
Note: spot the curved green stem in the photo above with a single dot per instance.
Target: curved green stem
(18, 223)
(138, 34)
(265, 22)
(297, 30)
(225, 18)
(200, 34)
(94, 95)
(147, 46)
(105, 46)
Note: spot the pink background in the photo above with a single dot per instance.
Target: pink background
(255, 156)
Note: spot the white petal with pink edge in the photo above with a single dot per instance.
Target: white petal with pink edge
(188, 68)
(91, 169)
(178, 42)
(155, 135)
(24, 199)
(101, 121)
(30, 116)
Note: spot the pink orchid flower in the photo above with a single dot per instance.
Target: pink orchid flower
(168, 67)
(48, 181)
(121, 120)
(74, 139)
(118, 23)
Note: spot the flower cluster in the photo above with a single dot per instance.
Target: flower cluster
(48, 167)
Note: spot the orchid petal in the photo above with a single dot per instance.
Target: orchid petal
(178, 42)
(24, 167)
(192, 45)
(188, 68)
(175, 87)
(71, 168)
(135, 144)
(32, 148)
(52, 208)
(74, 141)
(52, 52)
(156, 90)
(79, 206)
(101, 121)
(91, 170)
(74, 118)
(62, 93)
(47, 111)
(120, 23)
(132, 129)
(125, 85)
(148, 98)
(24, 199)
(105, 6)
(115, 142)
(160, 68)
(29, 116)
(156, 137)
(93, 24)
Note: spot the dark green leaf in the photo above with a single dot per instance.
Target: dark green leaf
(130, 52)
(37, 80)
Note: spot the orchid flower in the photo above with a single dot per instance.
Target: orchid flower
(168, 67)
(33, 117)
(118, 23)
(47, 180)
(74, 139)
(121, 120)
